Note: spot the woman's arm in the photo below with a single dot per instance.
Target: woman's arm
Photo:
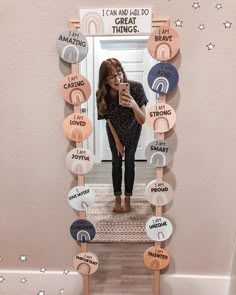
(119, 146)
(139, 112)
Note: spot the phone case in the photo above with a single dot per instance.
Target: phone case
(123, 86)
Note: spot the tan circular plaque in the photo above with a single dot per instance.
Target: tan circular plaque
(75, 89)
(85, 263)
(79, 161)
(161, 117)
(77, 127)
(156, 258)
(163, 43)
(158, 193)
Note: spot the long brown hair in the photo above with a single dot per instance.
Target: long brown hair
(103, 88)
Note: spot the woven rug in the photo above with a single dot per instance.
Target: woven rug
(119, 227)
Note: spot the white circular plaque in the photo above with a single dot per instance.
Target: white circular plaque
(72, 46)
(159, 153)
(79, 161)
(158, 193)
(81, 198)
(158, 228)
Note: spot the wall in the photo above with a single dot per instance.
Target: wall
(35, 216)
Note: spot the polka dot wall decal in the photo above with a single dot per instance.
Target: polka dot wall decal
(1, 259)
(227, 25)
(218, 6)
(61, 291)
(178, 23)
(23, 258)
(196, 5)
(41, 293)
(210, 46)
(201, 27)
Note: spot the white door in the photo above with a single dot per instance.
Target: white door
(136, 60)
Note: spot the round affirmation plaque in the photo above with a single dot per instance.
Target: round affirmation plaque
(82, 230)
(156, 258)
(163, 43)
(159, 153)
(158, 228)
(77, 127)
(163, 78)
(81, 198)
(75, 89)
(72, 46)
(85, 263)
(161, 117)
(79, 161)
(158, 193)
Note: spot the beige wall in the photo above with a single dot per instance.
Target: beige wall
(35, 216)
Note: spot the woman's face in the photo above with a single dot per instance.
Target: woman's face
(115, 78)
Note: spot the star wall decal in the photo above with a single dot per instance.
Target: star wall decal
(210, 46)
(201, 27)
(43, 269)
(196, 5)
(23, 258)
(218, 6)
(65, 272)
(23, 280)
(41, 293)
(227, 25)
(178, 23)
(61, 291)
(2, 279)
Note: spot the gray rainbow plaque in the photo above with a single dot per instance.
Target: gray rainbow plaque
(72, 46)
(159, 153)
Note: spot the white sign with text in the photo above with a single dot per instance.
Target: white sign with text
(116, 21)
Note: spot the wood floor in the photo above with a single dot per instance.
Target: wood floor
(121, 268)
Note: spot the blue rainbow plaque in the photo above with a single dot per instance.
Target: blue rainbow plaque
(163, 78)
(82, 230)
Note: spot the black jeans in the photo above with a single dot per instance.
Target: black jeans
(129, 159)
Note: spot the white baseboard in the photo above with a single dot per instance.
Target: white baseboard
(50, 283)
(194, 285)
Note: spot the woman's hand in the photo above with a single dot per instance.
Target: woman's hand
(120, 148)
(127, 100)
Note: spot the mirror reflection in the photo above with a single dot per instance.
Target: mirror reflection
(132, 52)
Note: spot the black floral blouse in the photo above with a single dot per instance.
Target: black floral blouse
(122, 118)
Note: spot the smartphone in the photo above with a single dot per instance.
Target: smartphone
(122, 87)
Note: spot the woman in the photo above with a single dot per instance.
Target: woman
(124, 123)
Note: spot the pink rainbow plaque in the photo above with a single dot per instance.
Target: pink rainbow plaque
(75, 89)
(163, 43)
(161, 117)
(77, 127)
